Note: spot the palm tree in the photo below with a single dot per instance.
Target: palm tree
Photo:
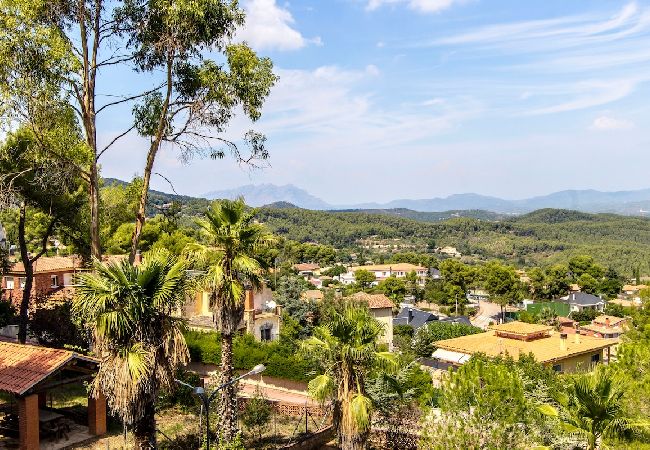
(593, 407)
(236, 264)
(129, 311)
(346, 347)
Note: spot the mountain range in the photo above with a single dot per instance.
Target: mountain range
(621, 202)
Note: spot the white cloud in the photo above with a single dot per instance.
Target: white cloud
(424, 6)
(271, 27)
(606, 123)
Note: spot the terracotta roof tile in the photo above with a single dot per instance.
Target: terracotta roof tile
(23, 366)
(375, 301)
(397, 267)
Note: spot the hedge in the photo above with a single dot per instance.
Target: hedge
(281, 358)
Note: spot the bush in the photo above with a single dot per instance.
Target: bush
(256, 414)
(181, 395)
(425, 338)
(281, 358)
(52, 326)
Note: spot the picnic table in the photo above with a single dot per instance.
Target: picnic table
(53, 423)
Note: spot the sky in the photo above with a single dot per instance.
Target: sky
(386, 99)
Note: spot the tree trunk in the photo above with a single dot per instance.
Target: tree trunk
(95, 244)
(141, 214)
(144, 430)
(151, 157)
(228, 400)
(29, 277)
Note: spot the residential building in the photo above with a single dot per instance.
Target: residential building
(634, 303)
(632, 290)
(417, 318)
(262, 316)
(550, 348)
(53, 276)
(580, 301)
(605, 327)
(306, 269)
(381, 308)
(383, 271)
(434, 273)
(314, 295)
(450, 251)
(476, 295)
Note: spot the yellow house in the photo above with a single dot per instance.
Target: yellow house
(262, 317)
(549, 347)
(381, 308)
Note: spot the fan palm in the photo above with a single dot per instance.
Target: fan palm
(346, 347)
(129, 311)
(593, 407)
(235, 265)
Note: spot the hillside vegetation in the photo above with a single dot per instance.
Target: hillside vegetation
(539, 238)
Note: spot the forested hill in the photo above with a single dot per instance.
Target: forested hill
(540, 237)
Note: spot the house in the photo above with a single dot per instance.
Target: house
(634, 303)
(450, 251)
(381, 308)
(314, 295)
(633, 290)
(434, 273)
(262, 316)
(53, 275)
(605, 327)
(417, 318)
(550, 348)
(383, 271)
(580, 301)
(476, 295)
(306, 269)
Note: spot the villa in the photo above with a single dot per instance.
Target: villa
(548, 347)
(383, 271)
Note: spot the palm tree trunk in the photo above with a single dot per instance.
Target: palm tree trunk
(144, 430)
(228, 403)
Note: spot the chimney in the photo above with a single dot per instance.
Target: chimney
(563, 339)
(607, 322)
(249, 302)
(576, 336)
(138, 258)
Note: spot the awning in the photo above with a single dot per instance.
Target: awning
(449, 356)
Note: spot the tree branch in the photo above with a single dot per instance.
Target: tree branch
(128, 99)
(114, 141)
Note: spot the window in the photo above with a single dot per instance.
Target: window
(595, 358)
(265, 333)
(557, 368)
(54, 281)
(9, 282)
(22, 282)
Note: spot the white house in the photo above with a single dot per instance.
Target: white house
(383, 271)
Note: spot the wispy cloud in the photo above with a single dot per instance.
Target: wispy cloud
(606, 123)
(423, 6)
(271, 27)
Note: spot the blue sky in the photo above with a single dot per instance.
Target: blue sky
(386, 99)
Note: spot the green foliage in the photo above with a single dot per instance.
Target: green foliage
(256, 414)
(7, 312)
(52, 325)
(364, 278)
(178, 394)
(423, 343)
(279, 357)
(393, 287)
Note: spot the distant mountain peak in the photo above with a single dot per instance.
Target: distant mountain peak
(267, 193)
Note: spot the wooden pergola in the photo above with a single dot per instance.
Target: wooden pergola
(28, 372)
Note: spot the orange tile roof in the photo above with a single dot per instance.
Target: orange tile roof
(312, 294)
(306, 267)
(50, 264)
(545, 350)
(23, 366)
(520, 328)
(613, 320)
(375, 301)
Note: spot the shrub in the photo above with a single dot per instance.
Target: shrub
(425, 338)
(256, 414)
(281, 358)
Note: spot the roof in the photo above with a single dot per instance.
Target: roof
(582, 299)
(611, 320)
(72, 263)
(398, 267)
(545, 350)
(414, 317)
(520, 328)
(312, 294)
(306, 267)
(634, 287)
(602, 329)
(447, 355)
(375, 301)
(51, 264)
(625, 303)
(24, 366)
